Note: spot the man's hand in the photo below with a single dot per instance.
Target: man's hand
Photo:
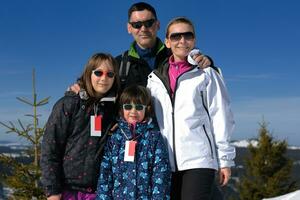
(224, 175)
(74, 88)
(202, 60)
(54, 197)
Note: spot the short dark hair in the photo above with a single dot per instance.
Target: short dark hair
(137, 94)
(140, 6)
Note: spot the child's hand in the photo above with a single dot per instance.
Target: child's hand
(54, 197)
(113, 128)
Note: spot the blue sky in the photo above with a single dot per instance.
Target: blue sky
(255, 42)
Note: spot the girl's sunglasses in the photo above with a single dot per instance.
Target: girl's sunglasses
(137, 25)
(138, 107)
(100, 73)
(174, 37)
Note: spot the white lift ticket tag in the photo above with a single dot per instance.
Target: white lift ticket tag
(96, 125)
(129, 150)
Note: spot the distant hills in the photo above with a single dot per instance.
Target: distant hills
(17, 150)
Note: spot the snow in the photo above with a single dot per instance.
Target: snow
(245, 144)
(290, 196)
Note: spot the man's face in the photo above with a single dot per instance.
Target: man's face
(143, 33)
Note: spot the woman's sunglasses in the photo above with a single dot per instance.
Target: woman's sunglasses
(174, 37)
(100, 73)
(137, 25)
(138, 107)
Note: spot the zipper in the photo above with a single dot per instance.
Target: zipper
(173, 115)
(210, 145)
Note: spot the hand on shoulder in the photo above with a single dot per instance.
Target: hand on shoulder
(54, 197)
(74, 88)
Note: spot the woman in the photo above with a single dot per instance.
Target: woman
(193, 112)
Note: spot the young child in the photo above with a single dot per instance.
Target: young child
(135, 164)
(193, 112)
(76, 132)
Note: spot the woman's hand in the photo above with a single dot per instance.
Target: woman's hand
(224, 175)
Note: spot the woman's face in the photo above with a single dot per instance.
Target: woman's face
(181, 40)
(103, 78)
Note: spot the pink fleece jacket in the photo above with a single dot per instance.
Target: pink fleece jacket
(175, 70)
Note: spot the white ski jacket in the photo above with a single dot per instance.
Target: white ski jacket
(197, 124)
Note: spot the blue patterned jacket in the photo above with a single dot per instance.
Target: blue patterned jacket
(148, 177)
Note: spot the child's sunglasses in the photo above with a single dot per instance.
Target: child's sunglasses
(138, 107)
(137, 25)
(174, 37)
(100, 73)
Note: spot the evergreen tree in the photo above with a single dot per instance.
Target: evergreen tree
(23, 177)
(268, 170)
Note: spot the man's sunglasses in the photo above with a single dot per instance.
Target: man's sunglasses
(138, 107)
(100, 73)
(177, 36)
(148, 23)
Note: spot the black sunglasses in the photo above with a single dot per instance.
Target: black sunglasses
(148, 23)
(138, 107)
(177, 36)
(100, 73)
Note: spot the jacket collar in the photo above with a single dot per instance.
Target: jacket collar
(159, 46)
(140, 128)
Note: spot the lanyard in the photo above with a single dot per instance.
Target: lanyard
(127, 138)
(95, 109)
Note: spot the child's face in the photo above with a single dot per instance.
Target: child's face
(134, 112)
(103, 78)
(181, 40)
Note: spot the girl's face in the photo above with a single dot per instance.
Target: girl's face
(134, 113)
(181, 40)
(103, 78)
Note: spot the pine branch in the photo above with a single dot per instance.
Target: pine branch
(24, 100)
(43, 102)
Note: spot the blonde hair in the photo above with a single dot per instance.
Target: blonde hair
(179, 20)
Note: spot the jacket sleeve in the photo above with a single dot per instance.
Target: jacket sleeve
(53, 145)
(161, 178)
(105, 181)
(221, 117)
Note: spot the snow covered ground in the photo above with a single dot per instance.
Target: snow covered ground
(290, 196)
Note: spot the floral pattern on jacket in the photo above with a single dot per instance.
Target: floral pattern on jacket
(148, 177)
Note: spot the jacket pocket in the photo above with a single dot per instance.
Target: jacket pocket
(209, 142)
